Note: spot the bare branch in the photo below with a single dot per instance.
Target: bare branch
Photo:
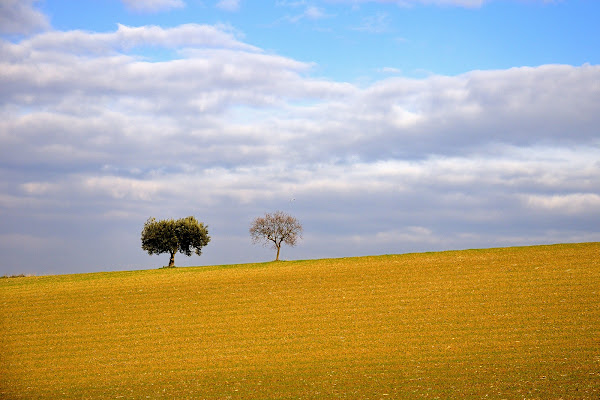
(278, 228)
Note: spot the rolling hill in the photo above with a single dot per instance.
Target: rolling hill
(520, 322)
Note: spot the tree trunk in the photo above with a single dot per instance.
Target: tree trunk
(172, 260)
(278, 248)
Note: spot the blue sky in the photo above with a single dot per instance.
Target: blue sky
(383, 126)
(362, 40)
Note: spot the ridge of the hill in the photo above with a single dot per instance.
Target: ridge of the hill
(179, 269)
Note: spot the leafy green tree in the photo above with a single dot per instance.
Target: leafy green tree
(185, 235)
(276, 228)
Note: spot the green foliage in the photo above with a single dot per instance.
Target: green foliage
(13, 276)
(185, 235)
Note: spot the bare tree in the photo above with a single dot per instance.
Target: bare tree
(277, 228)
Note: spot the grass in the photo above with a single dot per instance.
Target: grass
(508, 323)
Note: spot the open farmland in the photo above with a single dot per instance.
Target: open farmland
(512, 323)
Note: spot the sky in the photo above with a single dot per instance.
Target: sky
(383, 126)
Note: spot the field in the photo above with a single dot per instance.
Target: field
(507, 323)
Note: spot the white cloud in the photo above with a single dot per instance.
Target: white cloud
(379, 23)
(125, 38)
(20, 17)
(441, 3)
(310, 12)
(313, 12)
(153, 5)
(287, 3)
(462, 3)
(574, 203)
(390, 70)
(405, 3)
(229, 5)
(122, 188)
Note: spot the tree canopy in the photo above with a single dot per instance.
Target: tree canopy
(185, 235)
(276, 228)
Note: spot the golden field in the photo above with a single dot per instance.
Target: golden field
(506, 323)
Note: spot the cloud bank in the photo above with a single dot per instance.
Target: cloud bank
(96, 136)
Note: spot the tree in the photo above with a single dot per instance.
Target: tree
(170, 236)
(277, 228)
